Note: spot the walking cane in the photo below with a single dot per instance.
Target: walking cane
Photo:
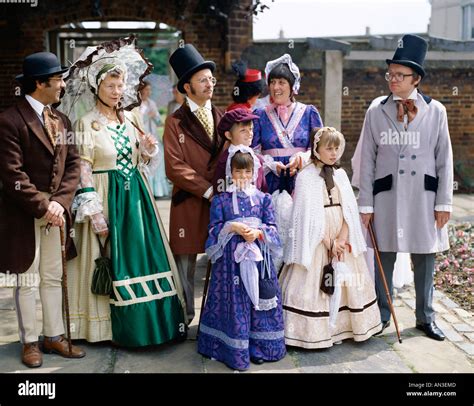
(64, 286)
(382, 276)
(204, 293)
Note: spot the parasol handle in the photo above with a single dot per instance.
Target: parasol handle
(142, 133)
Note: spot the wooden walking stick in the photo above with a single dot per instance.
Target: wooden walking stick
(204, 293)
(64, 286)
(382, 276)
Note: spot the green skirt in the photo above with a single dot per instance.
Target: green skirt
(145, 308)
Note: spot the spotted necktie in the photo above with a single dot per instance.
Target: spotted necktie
(206, 120)
(51, 124)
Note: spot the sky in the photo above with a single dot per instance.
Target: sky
(326, 18)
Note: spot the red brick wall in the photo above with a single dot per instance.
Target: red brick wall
(23, 30)
(311, 89)
(359, 89)
(455, 89)
(452, 87)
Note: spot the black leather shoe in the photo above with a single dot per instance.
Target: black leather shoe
(385, 324)
(431, 330)
(258, 361)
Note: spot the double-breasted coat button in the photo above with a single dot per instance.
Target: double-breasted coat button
(401, 171)
(413, 173)
(402, 156)
(413, 157)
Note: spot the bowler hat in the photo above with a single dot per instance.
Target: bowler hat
(411, 53)
(41, 64)
(186, 61)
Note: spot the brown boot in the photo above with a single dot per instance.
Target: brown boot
(61, 347)
(31, 355)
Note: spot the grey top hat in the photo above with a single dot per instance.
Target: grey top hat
(41, 64)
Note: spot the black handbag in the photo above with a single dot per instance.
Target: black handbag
(285, 181)
(102, 277)
(267, 287)
(327, 281)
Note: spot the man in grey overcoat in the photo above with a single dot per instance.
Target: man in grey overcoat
(406, 178)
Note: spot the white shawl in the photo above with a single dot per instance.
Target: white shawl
(308, 219)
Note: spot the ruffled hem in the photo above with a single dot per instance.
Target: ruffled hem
(267, 304)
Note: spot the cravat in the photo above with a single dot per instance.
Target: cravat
(206, 121)
(406, 107)
(51, 124)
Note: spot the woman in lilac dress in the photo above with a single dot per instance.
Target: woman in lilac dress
(242, 319)
(282, 131)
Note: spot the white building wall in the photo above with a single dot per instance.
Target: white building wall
(447, 18)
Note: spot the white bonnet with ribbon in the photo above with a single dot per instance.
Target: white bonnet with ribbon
(319, 134)
(233, 149)
(250, 190)
(286, 58)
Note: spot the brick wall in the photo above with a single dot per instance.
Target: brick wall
(24, 30)
(454, 88)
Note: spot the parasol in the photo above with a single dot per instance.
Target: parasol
(91, 67)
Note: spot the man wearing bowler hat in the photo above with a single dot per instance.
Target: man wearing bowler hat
(191, 149)
(39, 173)
(406, 178)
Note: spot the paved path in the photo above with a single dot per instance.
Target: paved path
(381, 354)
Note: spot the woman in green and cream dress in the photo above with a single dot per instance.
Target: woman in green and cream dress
(115, 201)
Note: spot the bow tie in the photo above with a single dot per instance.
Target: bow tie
(406, 107)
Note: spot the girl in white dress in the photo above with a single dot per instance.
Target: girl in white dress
(326, 222)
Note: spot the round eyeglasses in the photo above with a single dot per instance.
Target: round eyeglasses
(204, 81)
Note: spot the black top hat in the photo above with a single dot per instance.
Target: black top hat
(411, 52)
(41, 64)
(186, 61)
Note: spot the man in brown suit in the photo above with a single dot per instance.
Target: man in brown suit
(39, 173)
(191, 148)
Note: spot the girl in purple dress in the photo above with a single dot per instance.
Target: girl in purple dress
(242, 319)
(282, 131)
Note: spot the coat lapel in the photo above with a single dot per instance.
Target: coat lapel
(413, 126)
(422, 107)
(34, 123)
(193, 127)
(390, 110)
(62, 140)
(217, 142)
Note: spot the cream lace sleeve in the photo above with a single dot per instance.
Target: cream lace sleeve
(87, 204)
